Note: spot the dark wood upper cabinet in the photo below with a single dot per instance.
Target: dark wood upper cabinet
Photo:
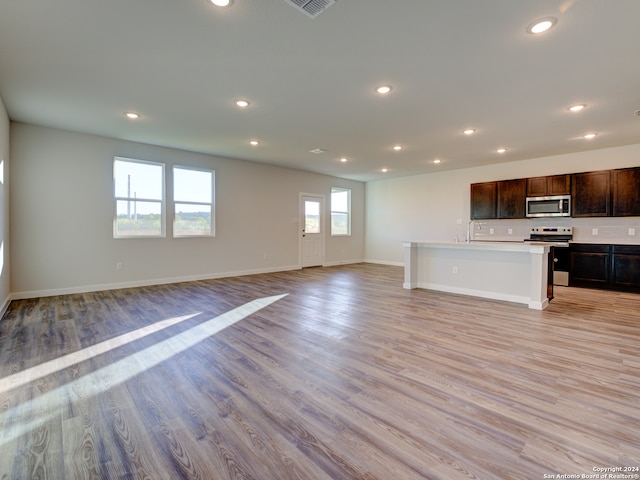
(591, 194)
(536, 187)
(483, 200)
(602, 193)
(559, 184)
(550, 185)
(511, 198)
(626, 192)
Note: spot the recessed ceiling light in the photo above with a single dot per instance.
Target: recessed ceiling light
(132, 115)
(254, 142)
(469, 131)
(384, 170)
(397, 148)
(589, 136)
(542, 25)
(317, 151)
(437, 160)
(577, 108)
(384, 89)
(344, 159)
(501, 150)
(242, 103)
(221, 3)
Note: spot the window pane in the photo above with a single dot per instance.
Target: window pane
(138, 218)
(192, 185)
(192, 220)
(193, 194)
(339, 201)
(311, 216)
(339, 224)
(138, 180)
(340, 211)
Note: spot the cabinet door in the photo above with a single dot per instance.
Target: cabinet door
(511, 195)
(626, 192)
(483, 200)
(625, 267)
(591, 194)
(537, 187)
(589, 265)
(559, 185)
(551, 185)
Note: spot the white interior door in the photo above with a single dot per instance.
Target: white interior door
(312, 231)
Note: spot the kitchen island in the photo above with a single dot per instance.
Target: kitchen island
(510, 271)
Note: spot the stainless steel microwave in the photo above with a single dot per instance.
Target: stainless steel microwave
(552, 206)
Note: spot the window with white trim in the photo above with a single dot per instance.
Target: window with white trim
(139, 209)
(340, 211)
(193, 197)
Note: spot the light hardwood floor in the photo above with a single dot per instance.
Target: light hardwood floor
(347, 376)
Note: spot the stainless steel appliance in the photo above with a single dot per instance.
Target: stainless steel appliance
(552, 206)
(559, 236)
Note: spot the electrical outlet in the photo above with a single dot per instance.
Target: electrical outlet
(119, 266)
(491, 231)
(459, 221)
(594, 231)
(510, 231)
(455, 270)
(631, 232)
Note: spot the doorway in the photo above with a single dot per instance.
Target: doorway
(312, 230)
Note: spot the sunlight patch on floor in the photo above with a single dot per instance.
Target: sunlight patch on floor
(18, 420)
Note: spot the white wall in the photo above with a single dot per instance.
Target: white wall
(4, 209)
(428, 207)
(62, 212)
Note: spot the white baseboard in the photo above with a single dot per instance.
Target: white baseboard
(384, 262)
(142, 283)
(341, 262)
(5, 306)
(477, 293)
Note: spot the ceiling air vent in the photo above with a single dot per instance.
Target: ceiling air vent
(311, 8)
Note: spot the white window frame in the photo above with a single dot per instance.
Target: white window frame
(128, 198)
(347, 212)
(211, 204)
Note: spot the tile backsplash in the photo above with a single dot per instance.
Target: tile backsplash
(620, 230)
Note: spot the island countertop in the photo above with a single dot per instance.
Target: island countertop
(520, 246)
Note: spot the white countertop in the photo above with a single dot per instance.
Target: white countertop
(482, 245)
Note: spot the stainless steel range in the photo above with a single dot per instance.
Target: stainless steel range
(560, 237)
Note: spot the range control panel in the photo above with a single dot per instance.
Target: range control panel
(552, 231)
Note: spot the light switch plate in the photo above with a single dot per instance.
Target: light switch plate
(631, 232)
(594, 231)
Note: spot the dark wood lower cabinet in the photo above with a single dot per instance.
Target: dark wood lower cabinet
(625, 267)
(613, 267)
(589, 265)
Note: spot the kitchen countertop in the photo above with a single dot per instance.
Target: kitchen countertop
(516, 246)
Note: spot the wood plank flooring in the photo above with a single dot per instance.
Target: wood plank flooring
(347, 376)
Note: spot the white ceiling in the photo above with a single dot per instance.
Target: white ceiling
(80, 64)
